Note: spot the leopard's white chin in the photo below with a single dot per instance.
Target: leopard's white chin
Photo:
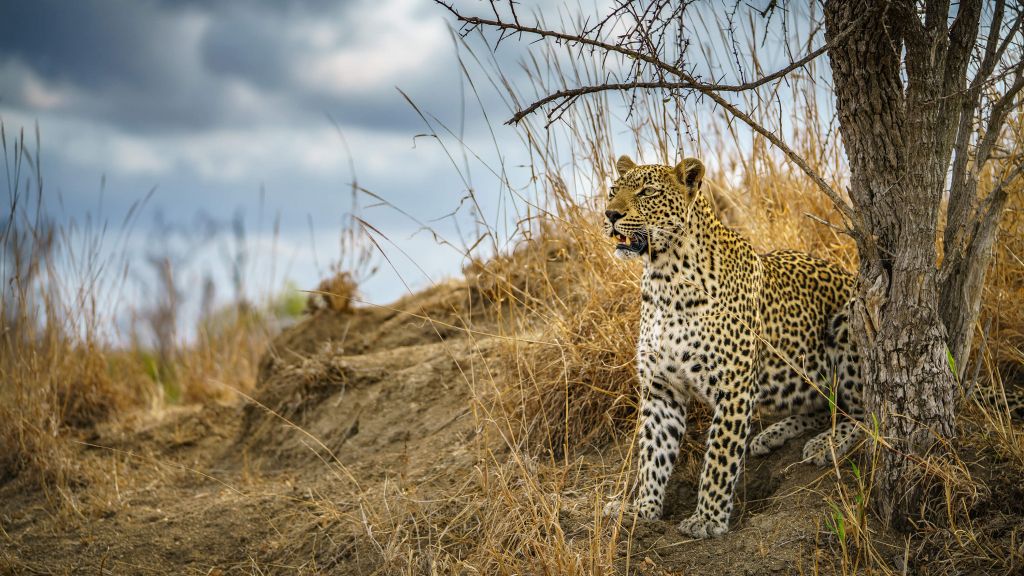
(626, 254)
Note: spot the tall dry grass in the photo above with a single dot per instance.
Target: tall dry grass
(64, 366)
(561, 286)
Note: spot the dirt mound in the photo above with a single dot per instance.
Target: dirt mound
(437, 313)
(378, 442)
(345, 400)
(402, 414)
(333, 406)
(347, 385)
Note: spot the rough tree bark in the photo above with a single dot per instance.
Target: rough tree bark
(899, 137)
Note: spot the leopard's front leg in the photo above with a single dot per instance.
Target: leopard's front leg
(663, 422)
(727, 440)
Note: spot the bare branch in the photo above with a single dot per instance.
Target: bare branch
(983, 224)
(985, 221)
(997, 117)
(963, 187)
(1009, 36)
(840, 204)
(573, 93)
(474, 22)
(996, 199)
(711, 90)
(988, 61)
(690, 82)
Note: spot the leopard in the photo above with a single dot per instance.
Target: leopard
(741, 331)
(1008, 401)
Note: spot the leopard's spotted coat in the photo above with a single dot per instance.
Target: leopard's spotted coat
(733, 328)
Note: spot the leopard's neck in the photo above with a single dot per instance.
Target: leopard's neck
(693, 259)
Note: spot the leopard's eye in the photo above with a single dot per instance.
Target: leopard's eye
(646, 192)
(611, 192)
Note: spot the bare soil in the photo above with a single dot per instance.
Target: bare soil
(361, 438)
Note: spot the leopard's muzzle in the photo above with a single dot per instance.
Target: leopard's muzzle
(635, 242)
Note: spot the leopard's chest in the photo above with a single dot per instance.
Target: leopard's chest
(673, 345)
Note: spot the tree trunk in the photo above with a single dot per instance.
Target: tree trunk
(897, 140)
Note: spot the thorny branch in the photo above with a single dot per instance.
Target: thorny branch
(962, 231)
(644, 43)
(1000, 109)
(686, 81)
(688, 84)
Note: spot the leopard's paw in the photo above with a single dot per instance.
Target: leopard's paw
(759, 446)
(817, 450)
(698, 526)
(642, 511)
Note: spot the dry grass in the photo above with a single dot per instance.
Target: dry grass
(561, 288)
(61, 371)
(557, 381)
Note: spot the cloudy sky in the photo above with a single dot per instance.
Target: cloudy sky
(257, 111)
(264, 113)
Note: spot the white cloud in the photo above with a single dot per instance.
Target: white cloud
(93, 145)
(389, 43)
(29, 89)
(40, 96)
(238, 157)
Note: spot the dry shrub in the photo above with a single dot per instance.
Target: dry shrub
(87, 389)
(578, 310)
(333, 293)
(224, 358)
(62, 371)
(54, 374)
(54, 386)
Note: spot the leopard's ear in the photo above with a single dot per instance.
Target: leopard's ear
(690, 172)
(624, 164)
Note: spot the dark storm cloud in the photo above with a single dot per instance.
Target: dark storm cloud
(162, 66)
(115, 61)
(91, 44)
(247, 46)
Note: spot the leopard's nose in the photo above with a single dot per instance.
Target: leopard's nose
(612, 215)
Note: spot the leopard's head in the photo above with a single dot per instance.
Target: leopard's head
(647, 204)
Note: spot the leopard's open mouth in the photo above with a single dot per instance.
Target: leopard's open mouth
(636, 242)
